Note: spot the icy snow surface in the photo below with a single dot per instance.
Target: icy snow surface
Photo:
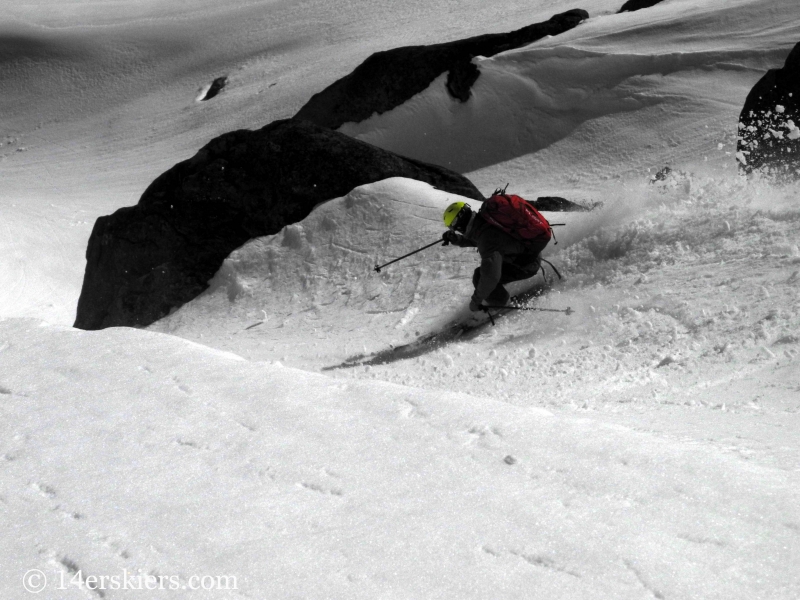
(645, 446)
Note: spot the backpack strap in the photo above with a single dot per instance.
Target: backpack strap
(552, 266)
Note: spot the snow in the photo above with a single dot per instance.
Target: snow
(311, 288)
(643, 446)
(191, 461)
(527, 99)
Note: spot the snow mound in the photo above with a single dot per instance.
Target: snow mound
(315, 280)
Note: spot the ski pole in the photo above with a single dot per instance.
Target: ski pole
(566, 311)
(379, 267)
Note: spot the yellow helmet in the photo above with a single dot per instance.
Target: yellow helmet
(452, 212)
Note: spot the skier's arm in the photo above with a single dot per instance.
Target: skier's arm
(491, 271)
(451, 237)
(465, 242)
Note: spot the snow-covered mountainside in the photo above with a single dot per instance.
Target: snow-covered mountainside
(644, 84)
(645, 445)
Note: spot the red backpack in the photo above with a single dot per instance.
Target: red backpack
(518, 218)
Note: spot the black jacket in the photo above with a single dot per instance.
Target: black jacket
(496, 248)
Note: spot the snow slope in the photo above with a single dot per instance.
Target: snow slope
(685, 295)
(630, 83)
(144, 452)
(99, 98)
(644, 446)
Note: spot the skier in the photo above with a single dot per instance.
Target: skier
(503, 258)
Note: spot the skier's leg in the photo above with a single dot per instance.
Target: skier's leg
(499, 295)
(518, 271)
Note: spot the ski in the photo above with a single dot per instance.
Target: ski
(459, 330)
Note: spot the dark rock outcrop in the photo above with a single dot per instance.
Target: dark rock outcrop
(769, 124)
(558, 204)
(388, 79)
(216, 87)
(460, 79)
(146, 260)
(633, 5)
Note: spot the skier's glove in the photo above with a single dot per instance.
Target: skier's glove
(475, 306)
(449, 237)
